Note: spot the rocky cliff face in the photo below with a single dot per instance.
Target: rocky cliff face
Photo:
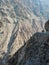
(17, 25)
(34, 52)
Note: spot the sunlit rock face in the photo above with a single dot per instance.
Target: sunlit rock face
(3, 32)
(14, 28)
(13, 32)
(17, 25)
(6, 28)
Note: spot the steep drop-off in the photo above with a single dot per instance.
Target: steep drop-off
(17, 24)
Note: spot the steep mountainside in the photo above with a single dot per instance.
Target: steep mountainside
(34, 52)
(18, 22)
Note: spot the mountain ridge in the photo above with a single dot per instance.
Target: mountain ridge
(19, 23)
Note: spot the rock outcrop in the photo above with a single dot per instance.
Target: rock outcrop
(17, 25)
(36, 52)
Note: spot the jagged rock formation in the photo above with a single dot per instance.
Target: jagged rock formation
(17, 25)
(36, 51)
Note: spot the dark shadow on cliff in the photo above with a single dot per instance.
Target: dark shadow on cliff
(36, 51)
(13, 36)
